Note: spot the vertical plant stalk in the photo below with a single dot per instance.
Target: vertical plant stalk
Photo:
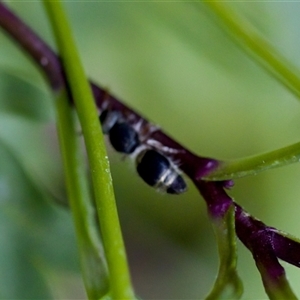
(120, 282)
(93, 264)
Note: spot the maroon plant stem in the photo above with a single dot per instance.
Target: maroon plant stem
(264, 242)
(217, 200)
(35, 47)
(258, 239)
(285, 247)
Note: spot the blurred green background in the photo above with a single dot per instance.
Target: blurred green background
(174, 64)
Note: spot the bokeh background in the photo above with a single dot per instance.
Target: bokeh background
(172, 62)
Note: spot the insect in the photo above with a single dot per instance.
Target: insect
(152, 166)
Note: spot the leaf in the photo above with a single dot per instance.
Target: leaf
(19, 96)
(36, 237)
(23, 218)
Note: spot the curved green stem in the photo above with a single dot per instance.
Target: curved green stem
(251, 41)
(252, 165)
(227, 285)
(120, 283)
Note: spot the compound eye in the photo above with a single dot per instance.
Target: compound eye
(108, 119)
(178, 186)
(123, 138)
(152, 166)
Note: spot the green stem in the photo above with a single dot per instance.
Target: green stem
(120, 282)
(93, 263)
(227, 285)
(250, 40)
(255, 164)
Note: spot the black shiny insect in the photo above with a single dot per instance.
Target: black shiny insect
(153, 167)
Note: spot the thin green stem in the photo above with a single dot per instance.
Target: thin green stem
(251, 41)
(227, 285)
(120, 283)
(255, 164)
(93, 262)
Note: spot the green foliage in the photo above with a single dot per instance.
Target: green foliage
(159, 57)
(31, 229)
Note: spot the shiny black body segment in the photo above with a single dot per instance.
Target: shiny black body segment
(157, 171)
(122, 136)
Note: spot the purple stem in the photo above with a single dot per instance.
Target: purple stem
(258, 239)
(34, 46)
(264, 242)
(217, 200)
(285, 248)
